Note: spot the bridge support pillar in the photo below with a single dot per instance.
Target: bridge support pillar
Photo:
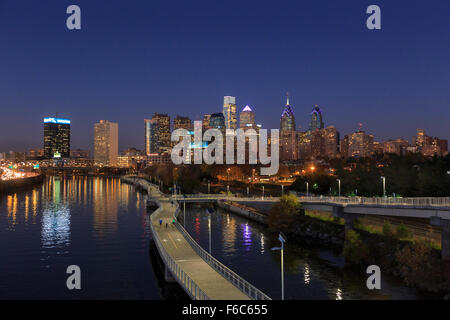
(445, 235)
(168, 277)
(445, 240)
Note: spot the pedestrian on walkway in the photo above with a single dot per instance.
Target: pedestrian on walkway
(160, 222)
(166, 225)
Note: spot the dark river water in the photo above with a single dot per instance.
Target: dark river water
(101, 225)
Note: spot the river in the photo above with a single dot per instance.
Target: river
(102, 226)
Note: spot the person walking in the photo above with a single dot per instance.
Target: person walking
(160, 222)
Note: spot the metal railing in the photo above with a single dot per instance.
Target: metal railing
(247, 288)
(416, 202)
(182, 277)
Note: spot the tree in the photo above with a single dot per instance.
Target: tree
(283, 214)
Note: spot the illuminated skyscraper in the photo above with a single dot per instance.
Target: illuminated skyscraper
(247, 118)
(163, 132)
(217, 121)
(205, 122)
(106, 143)
(56, 138)
(316, 119)
(288, 135)
(229, 112)
(151, 137)
(182, 123)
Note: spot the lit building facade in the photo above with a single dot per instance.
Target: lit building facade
(106, 143)
(247, 119)
(229, 112)
(357, 144)
(151, 136)
(56, 138)
(316, 119)
(164, 133)
(288, 135)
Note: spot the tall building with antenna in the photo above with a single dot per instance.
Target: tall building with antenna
(288, 134)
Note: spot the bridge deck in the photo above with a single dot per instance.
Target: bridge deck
(214, 285)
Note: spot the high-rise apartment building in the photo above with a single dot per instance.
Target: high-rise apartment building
(56, 138)
(106, 143)
(164, 133)
(151, 136)
(320, 143)
(229, 112)
(182, 123)
(357, 144)
(205, 122)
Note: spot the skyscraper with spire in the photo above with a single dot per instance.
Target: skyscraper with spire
(288, 135)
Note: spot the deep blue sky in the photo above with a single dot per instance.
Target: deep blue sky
(134, 58)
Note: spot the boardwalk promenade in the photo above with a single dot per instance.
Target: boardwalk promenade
(199, 274)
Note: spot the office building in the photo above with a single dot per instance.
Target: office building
(106, 143)
(229, 112)
(56, 138)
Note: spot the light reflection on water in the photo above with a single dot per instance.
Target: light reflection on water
(97, 223)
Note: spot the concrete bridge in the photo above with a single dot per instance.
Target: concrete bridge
(201, 275)
(436, 210)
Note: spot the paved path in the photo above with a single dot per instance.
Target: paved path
(214, 285)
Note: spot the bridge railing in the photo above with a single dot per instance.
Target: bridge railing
(419, 202)
(182, 277)
(250, 290)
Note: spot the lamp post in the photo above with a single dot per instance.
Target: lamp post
(208, 186)
(263, 193)
(307, 188)
(339, 187)
(282, 189)
(282, 239)
(247, 191)
(384, 185)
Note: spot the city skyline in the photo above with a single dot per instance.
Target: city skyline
(174, 58)
(172, 125)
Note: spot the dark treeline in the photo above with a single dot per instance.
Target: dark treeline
(407, 176)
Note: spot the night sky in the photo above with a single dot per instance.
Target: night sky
(134, 58)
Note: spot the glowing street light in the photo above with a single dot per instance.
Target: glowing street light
(282, 239)
(307, 188)
(339, 186)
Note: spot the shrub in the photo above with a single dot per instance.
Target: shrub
(419, 265)
(283, 214)
(387, 230)
(355, 251)
(403, 232)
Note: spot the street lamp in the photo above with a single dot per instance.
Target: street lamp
(263, 193)
(208, 186)
(307, 188)
(282, 239)
(384, 185)
(282, 189)
(339, 186)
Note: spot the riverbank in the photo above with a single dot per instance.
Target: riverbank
(8, 186)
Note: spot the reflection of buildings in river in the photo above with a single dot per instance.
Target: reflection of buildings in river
(229, 232)
(246, 236)
(55, 230)
(262, 243)
(105, 205)
(11, 207)
(27, 206)
(338, 294)
(306, 274)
